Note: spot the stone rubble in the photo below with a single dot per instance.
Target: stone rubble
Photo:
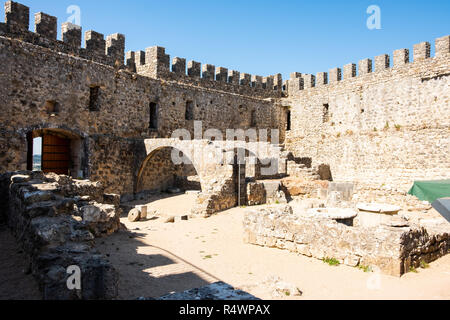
(56, 219)
(394, 245)
(215, 291)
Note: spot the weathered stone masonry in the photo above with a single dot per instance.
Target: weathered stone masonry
(393, 122)
(382, 127)
(56, 220)
(387, 125)
(37, 70)
(394, 249)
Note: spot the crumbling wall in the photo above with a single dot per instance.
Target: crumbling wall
(56, 220)
(392, 249)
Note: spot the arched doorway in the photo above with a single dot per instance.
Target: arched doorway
(55, 151)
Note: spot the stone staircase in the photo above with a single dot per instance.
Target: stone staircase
(295, 167)
(302, 171)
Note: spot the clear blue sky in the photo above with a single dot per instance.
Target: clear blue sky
(262, 36)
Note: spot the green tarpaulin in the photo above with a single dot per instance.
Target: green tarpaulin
(431, 190)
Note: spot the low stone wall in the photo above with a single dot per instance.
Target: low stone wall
(56, 220)
(393, 250)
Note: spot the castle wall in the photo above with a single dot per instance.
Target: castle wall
(385, 127)
(38, 71)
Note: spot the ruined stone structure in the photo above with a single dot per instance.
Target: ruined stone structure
(380, 123)
(393, 247)
(57, 219)
(367, 125)
(110, 116)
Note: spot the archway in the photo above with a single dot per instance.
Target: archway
(60, 152)
(158, 173)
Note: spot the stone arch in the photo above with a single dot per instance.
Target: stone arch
(159, 169)
(217, 179)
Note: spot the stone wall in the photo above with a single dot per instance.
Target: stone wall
(33, 75)
(387, 126)
(392, 249)
(161, 174)
(56, 220)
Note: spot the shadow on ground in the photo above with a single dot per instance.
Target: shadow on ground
(16, 282)
(147, 271)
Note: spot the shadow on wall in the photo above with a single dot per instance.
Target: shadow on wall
(324, 171)
(158, 173)
(306, 161)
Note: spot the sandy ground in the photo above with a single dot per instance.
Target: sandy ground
(155, 259)
(14, 283)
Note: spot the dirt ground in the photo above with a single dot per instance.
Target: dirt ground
(14, 283)
(154, 259)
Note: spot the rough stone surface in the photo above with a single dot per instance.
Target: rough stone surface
(380, 129)
(215, 291)
(134, 215)
(56, 220)
(378, 208)
(301, 187)
(337, 124)
(256, 194)
(392, 249)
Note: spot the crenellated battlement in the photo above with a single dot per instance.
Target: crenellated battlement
(157, 64)
(153, 62)
(16, 26)
(368, 67)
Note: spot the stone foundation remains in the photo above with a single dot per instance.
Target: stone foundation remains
(392, 246)
(56, 219)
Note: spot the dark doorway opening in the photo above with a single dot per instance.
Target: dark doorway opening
(34, 155)
(239, 175)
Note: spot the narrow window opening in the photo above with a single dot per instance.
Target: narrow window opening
(153, 116)
(52, 107)
(189, 111)
(288, 121)
(94, 104)
(253, 119)
(326, 113)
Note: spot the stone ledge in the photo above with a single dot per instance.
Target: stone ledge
(394, 250)
(56, 220)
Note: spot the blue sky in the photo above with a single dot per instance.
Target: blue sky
(262, 37)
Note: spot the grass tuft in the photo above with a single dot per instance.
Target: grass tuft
(331, 261)
(366, 269)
